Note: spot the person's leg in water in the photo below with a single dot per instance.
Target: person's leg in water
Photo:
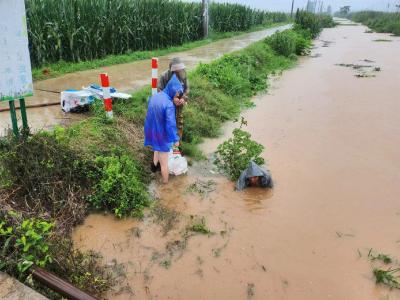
(155, 166)
(163, 159)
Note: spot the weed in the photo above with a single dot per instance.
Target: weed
(199, 225)
(388, 277)
(380, 256)
(166, 264)
(234, 155)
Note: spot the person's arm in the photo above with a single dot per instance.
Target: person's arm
(172, 130)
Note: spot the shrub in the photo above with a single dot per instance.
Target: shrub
(118, 186)
(309, 22)
(284, 43)
(234, 155)
(46, 177)
(312, 23)
(289, 42)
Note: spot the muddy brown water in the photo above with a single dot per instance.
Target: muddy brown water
(125, 77)
(332, 144)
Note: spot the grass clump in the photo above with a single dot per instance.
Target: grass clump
(235, 154)
(198, 225)
(388, 277)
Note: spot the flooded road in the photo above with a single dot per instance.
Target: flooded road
(125, 77)
(332, 143)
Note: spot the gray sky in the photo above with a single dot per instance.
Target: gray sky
(285, 5)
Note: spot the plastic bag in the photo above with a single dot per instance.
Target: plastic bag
(177, 164)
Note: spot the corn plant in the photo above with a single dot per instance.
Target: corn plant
(80, 30)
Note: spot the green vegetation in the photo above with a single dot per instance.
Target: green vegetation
(235, 17)
(24, 244)
(388, 277)
(378, 21)
(198, 225)
(289, 43)
(74, 31)
(234, 155)
(27, 241)
(312, 24)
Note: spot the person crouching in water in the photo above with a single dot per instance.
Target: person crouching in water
(160, 131)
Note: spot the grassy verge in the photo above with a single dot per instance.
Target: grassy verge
(62, 67)
(378, 21)
(49, 181)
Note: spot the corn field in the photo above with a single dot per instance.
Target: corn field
(235, 17)
(80, 30)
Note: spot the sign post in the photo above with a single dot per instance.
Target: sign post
(15, 64)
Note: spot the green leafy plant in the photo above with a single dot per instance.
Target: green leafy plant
(118, 186)
(234, 155)
(24, 244)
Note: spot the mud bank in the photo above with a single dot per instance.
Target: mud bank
(332, 143)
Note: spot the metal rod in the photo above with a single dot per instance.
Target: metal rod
(59, 285)
(32, 106)
(23, 114)
(13, 118)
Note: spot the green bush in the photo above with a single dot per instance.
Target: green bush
(118, 186)
(309, 22)
(289, 42)
(312, 23)
(235, 154)
(284, 43)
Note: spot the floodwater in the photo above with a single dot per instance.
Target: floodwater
(125, 77)
(332, 144)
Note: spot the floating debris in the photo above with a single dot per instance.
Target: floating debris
(201, 187)
(316, 55)
(363, 71)
(382, 40)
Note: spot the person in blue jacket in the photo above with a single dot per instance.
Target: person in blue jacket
(160, 131)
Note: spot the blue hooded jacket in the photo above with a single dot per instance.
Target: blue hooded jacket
(160, 130)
